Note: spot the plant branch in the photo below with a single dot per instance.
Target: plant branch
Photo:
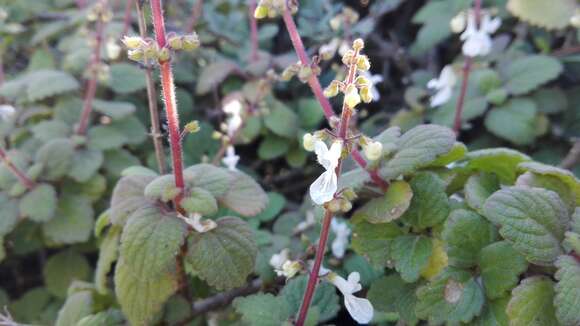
(127, 17)
(572, 158)
(93, 72)
(21, 176)
(152, 97)
(196, 11)
(253, 31)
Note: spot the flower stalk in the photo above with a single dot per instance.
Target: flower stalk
(21, 176)
(253, 31)
(467, 67)
(91, 88)
(168, 92)
(151, 97)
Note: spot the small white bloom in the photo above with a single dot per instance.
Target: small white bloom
(6, 112)
(323, 188)
(373, 151)
(443, 85)
(194, 220)
(478, 40)
(360, 309)
(234, 111)
(308, 141)
(231, 159)
(458, 23)
(308, 222)
(113, 49)
(374, 79)
(340, 243)
(278, 260)
(289, 269)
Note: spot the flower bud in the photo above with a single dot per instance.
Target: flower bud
(358, 44)
(345, 205)
(308, 141)
(362, 63)
(192, 127)
(151, 51)
(164, 54)
(335, 22)
(304, 73)
(349, 194)
(334, 205)
(136, 55)
(351, 98)
(132, 42)
(175, 42)
(366, 94)
(362, 81)
(290, 268)
(190, 42)
(347, 57)
(373, 151)
(332, 89)
(261, 12)
(458, 23)
(288, 73)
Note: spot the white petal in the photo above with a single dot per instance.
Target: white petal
(321, 153)
(441, 97)
(433, 83)
(447, 78)
(334, 153)
(360, 309)
(322, 189)
(339, 247)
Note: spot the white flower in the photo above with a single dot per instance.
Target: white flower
(6, 112)
(323, 188)
(308, 222)
(113, 49)
(289, 269)
(231, 159)
(373, 151)
(443, 85)
(340, 243)
(360, 309)
(194, 220)
(278, 260)
(373, 79)
(308, 141)
(478, 40)
(233, 109)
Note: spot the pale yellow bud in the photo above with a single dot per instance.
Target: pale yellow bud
(164, 55)
(288, 73)
(362, 63)
(347, 57)
(192, 127)
(351, 98)
(373, 151)
(335, 22)
(261, 12)
(358, 44)
(366, 94)
(190, 42)
(291, 268)
(457, 23)
(132, 42)
(362, 81)
(332, 89)
(136, 55)
(308, 141)
(304, 73)
(175, 42)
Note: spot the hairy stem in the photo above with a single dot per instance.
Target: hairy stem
(152, 98)
(321, 248)
(168, 92)
(466, 72)
(93, 71)
(21, 176)
(253, 31)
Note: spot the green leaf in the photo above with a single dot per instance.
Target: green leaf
(150, 241)
(244, 196)
(567, 299)
(501, 161)
(526, 74)
(85, 164)
(214, 74)
(9, 209)
(262, 309)
(555, 14)
(430, 205)
(38, 85)
(453, 296)
(565, 176)
(532, 303)
(390, 206)
(479, 187)
(105, 137)
(411, 255)
(309, 112)
(76, 307)
(533, 219)
(494, 313)
(111, 317)
(62, 269)
(118, 160)
(199, 200)
(325, 298)
(108, 253)
(224, 256)
(501, 266)
(514, 121)
(281, 120)
(39, 204)
(458, 152)
(73, 221)
(276, 203)
(126, 78)
(50, 129)
(272, 147)
(56, 157)
(128, 197)
(30, 305)
(465, 234)
(209, 177)
(116, 110)
(417, 148)
(372, 241)
(392, 294)
(368, 273)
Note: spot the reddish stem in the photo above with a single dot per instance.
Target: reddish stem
(168, 90)
(253, 31)
(466, 72)
(375, 177)
(81, 4)
(21, 176)
(127, 17)
(195, 14)
(321, 248)
(93, 69)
